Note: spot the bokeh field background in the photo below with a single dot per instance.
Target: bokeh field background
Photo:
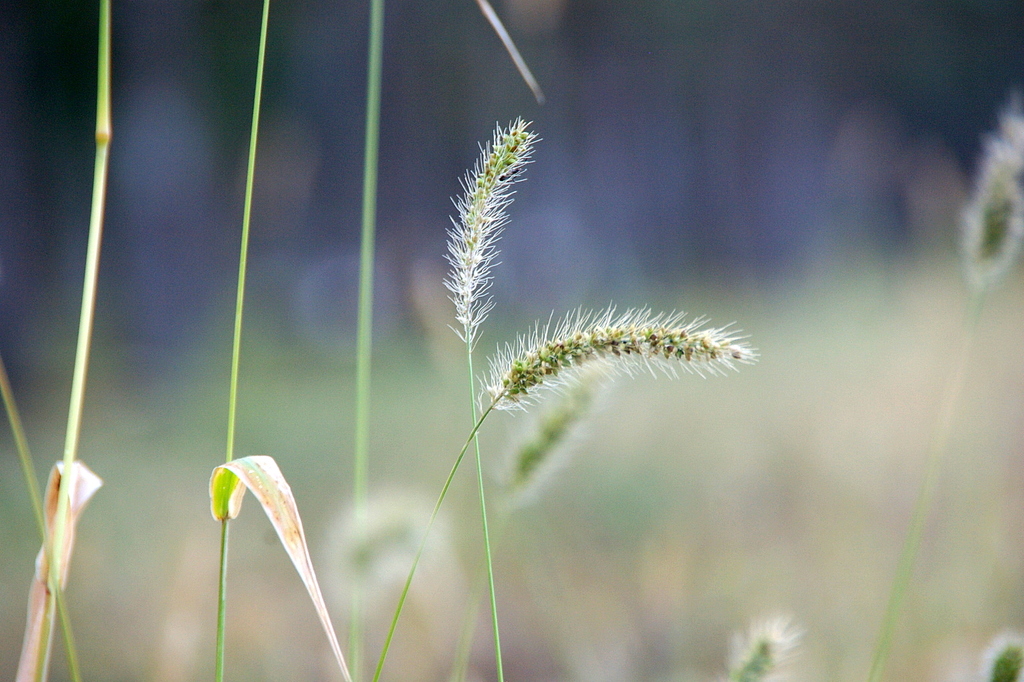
(796, 167)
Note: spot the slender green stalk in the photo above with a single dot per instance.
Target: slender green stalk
(364, 332)
(483, 516)
(92, 262)
(243, 257)
(32, 484)
(465, 647)
(237, 338)
(919, 516)
(462, 652)
(222, 599)
(70, 650)
(423, 543)
(21, 445)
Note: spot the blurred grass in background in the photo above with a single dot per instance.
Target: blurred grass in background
(690, 506)
(796, 167)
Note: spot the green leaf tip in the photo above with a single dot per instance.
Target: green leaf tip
(225, 500)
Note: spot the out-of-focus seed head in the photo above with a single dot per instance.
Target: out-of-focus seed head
(993, 219)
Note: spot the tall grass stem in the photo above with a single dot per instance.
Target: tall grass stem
(222, 592)
(364, 331)
(21, 445)
(85, 325)
(483, 516)
(926, 493)
(243, 257)
(236, 343)
(465, 646)
(35, 495)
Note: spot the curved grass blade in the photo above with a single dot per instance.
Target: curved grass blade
(261, 475)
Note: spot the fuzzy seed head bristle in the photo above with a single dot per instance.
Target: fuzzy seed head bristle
(758, 654)
(635, 340)
(993, 220)
(487, 192)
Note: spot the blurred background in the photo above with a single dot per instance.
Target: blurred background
(797, 167)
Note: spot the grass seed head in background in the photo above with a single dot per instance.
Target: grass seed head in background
(534, 461)
(471, 246)
(758, 655)
(1004, 659)
(375, 552)
(636, 339)
(993, 220)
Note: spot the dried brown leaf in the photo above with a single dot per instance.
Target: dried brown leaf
(261, 475)
(42, 602)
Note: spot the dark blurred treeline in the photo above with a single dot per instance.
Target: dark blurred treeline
(734, 141)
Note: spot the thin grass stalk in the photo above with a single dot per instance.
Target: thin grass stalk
(925, 495)
(471, 251)
(24, 456)
(222, 600)
(465, 646)
(92, 262)
(423, 543)
(243, 258)
(35, 495)
(513, 51)
(483, 517)
(85, 325)
(532, 458)
(364, 333)
(237, 338)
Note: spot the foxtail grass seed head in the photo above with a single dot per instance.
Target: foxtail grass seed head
(537, 459)
(756, 656)
(487, 192)
(1004, 659)
(635, 340)
(993, 220)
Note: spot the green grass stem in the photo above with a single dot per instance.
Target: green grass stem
(222, 591)
(423, 543)
(24, 456)
(236, 344)
(925, 495)
(465, 646)
(483, 516)
(35, 495)
(364, 331)
(92, 264)
(85, 325)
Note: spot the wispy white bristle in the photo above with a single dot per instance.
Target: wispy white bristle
(993, 220)
(1003, 661)
(635, 340)
(487, 192)
(756, 656)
